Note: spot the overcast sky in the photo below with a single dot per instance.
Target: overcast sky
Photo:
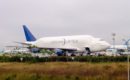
(99, 18)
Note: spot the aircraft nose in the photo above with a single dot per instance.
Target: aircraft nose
(106, 44)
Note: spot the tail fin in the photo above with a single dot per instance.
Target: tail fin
(29, 36)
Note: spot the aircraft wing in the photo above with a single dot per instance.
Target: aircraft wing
(23, 43)
(16, 46)
(30, 44)
(70, 49)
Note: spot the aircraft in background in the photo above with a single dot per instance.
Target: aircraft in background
(124, 47)
(84, 44)
(118, 50)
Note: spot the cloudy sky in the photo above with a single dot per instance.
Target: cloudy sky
(99, 18)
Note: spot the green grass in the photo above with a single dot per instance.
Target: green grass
(63, 71)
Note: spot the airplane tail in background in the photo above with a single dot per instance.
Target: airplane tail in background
(29, 36)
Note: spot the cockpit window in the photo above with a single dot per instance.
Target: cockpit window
(101, 39)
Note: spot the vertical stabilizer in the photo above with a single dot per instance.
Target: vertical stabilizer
(29, 36)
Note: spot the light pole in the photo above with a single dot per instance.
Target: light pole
(128, 67)
(126, 43)
(113, 38)
(128, 58)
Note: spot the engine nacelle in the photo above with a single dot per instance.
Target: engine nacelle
(34, 50)
(59, 52)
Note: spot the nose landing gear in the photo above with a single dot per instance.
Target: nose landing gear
(87, 52)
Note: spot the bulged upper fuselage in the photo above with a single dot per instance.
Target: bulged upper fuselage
(78, 42)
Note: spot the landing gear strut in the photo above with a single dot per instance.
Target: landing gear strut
(87, 52)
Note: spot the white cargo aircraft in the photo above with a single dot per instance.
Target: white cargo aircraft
(84, 44)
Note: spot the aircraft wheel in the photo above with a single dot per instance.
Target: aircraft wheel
(72, 54)
(87, 52)
(84, 54)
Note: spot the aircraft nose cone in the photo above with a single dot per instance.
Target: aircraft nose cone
(106, 44)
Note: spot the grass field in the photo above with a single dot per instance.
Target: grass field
(63, 71)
